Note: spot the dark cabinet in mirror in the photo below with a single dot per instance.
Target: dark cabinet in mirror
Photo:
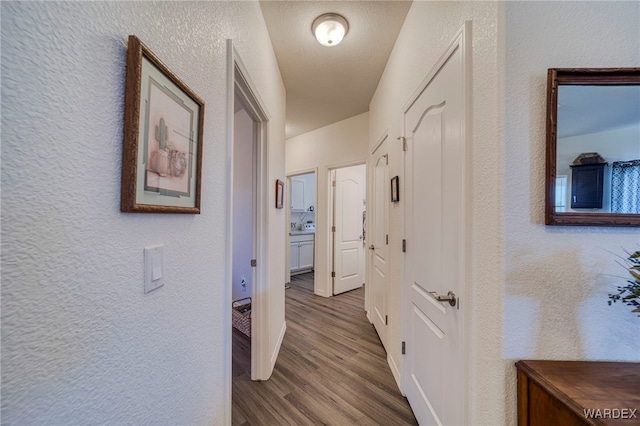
(593, 147)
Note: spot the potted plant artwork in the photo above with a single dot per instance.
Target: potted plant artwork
(166, 161)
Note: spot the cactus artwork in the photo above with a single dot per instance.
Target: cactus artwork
(166, 161)
(161, 134)
(160, 163)
(178, 163)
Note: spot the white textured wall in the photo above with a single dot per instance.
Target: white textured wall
(557, 278)
(339, 144)
(81, 342)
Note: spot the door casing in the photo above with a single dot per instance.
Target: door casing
(240, 84)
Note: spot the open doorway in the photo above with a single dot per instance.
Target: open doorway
(347, 227)
(247, 213)
(243, 235)
(301, 244)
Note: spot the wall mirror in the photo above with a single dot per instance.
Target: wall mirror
(593, 147)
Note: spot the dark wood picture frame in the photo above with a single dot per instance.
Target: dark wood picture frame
(162, 142)
(279, 194)
(395, 189)
(579, 77)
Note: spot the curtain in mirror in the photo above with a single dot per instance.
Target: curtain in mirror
(625, 186)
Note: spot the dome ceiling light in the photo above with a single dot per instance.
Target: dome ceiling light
(329, 29)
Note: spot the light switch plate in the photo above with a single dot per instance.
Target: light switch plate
(153, 267)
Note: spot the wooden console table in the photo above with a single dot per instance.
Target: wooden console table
(571, 393)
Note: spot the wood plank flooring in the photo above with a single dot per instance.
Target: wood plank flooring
(332, 368)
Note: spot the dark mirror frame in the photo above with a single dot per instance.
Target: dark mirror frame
(580, 76)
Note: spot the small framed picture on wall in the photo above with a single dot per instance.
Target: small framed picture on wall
(395, 189)
(279, 194)
(162, 143)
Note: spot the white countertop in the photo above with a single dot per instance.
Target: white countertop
(301, 232)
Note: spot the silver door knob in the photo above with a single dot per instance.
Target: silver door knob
(372, 247)
(450, 297)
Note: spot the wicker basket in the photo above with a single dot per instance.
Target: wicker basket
(241, 315)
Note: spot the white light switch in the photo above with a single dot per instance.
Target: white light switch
(153, 267)
(156, 267)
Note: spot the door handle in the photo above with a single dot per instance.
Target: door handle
(372, 247)
(450, 297)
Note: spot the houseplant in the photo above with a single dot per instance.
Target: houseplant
(630, 294)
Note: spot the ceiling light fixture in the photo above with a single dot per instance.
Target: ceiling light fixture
(330, 29)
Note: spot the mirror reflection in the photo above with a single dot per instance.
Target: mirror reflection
(598, 149)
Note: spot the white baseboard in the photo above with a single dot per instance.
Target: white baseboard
(395, 370)
(276, 350)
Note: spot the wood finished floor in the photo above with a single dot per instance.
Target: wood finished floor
(331, 370)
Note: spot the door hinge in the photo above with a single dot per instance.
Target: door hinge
(387, 239)
(333, 183)
(333, 274)
(404, 246)
(386, 320)
(333, 229)
(254, 263)
(403, 348)
(404, 142)
(386, 158)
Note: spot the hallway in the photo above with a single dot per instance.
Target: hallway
(331, 370)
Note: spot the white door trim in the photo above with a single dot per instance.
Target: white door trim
(462, 41)
(238, 80)
(380, 141)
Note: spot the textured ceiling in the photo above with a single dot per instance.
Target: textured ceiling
(329, 84)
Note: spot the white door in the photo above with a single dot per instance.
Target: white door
(348, 243)
(378, 247)
(434, 127)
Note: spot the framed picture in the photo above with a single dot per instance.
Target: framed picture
(395, 189)
(162, 144)
(279, 194)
